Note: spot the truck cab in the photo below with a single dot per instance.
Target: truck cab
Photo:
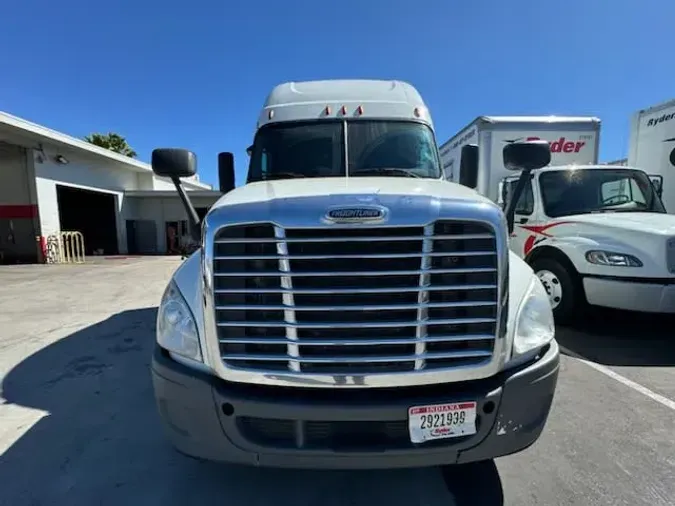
(596, 234)
(348, 307)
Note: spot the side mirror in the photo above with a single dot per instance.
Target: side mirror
(249, 150)
(657, 181)
(226, 172)
(174, 163)
(527, 156)
(468, 166)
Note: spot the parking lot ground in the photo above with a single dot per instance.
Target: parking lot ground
(78, 424)
(639, 347)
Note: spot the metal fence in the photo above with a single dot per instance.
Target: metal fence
(65, 248)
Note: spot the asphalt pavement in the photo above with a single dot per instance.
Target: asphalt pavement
(78, 423)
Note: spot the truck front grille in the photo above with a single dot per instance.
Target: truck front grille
(356, 301)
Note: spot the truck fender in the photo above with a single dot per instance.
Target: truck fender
(553, 252)
(571, 250)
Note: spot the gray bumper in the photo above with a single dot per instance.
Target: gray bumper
(208, 418)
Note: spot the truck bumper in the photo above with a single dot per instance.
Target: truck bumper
(633, 295)
(208, 418)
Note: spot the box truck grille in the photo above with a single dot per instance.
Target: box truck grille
(356, 301)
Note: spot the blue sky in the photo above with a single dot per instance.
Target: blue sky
(195, 73)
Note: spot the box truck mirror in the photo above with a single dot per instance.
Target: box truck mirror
(502, 199)
(657, 182)
(529, 155)
(525, 157)
(468, 166)
(225, 172)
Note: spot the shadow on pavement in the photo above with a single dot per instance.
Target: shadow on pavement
(474, 484)
(621, 338)
(89, 434)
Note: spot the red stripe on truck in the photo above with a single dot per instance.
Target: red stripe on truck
(16, 212)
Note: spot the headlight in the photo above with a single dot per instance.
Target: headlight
(534, 323)
(176, 328)
(612, 259)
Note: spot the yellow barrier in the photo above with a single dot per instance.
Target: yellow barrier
(71, 248)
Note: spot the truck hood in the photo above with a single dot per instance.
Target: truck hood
(650, 223)
(313, 187)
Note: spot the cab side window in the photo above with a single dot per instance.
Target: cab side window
(525, 205)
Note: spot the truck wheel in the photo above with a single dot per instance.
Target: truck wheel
(563, 287)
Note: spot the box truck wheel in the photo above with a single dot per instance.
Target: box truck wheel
(564, 289)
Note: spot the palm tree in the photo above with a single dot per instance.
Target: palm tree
(113, 142)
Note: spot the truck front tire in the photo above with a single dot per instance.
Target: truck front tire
(563, 287)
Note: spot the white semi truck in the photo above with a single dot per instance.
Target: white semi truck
(348, 307)
(572, 140)
(652, 147)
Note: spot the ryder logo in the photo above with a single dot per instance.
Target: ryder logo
(561, 145)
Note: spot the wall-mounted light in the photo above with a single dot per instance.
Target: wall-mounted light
(61, 159)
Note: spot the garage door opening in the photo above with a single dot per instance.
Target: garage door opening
(93, 214)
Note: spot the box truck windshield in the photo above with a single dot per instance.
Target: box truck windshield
(582, 191)
(337, 148)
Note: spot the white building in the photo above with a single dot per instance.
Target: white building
(51, 182)
(622, 161)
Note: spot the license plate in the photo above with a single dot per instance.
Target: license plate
(440, 421)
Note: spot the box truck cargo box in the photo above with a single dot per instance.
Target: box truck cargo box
(652, 147)
(572, 140)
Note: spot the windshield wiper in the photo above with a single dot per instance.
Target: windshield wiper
(621, 208)
(384, 170)
(283, 175)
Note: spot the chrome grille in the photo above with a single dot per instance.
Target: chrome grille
(356, 301)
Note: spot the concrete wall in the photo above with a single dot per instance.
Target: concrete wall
(144, 182)
(164, 184)
(189, 183)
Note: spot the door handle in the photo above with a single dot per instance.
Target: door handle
(523, 220)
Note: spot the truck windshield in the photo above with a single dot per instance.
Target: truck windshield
(317, 149)
(581, 191)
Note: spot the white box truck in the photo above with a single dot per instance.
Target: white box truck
(594, 234)
(348, 307)
(572, 140)
(652, 147)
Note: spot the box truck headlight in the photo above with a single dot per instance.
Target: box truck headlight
(176, 328)
(534, 325)
(612, 259)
